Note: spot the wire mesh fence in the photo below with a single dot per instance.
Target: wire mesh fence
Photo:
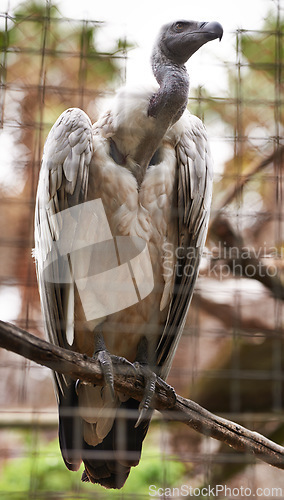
(230, 359)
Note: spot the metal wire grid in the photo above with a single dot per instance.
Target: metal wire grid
(27, 398)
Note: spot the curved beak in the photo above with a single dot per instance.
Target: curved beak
(201, 34)
(213, 30)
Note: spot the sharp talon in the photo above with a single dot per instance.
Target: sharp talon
(77, 385)
(143, 415)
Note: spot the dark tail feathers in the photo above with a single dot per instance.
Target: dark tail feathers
(110, 462)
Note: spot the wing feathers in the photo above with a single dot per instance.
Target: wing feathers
(193, 206)
(62, 184)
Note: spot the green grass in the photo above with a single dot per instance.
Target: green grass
(43, 475)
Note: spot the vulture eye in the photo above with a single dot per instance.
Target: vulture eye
(179, 27)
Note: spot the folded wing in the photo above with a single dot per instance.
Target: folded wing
(195, 176)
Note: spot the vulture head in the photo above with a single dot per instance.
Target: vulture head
(178, 41)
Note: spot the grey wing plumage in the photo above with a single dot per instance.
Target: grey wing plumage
(195, 176)
(62, 184)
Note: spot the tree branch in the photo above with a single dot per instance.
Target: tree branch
(276, 157)
(174, 407)
(222, 231)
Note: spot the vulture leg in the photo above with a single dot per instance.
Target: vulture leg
(107, 360)
(143, 365)
(104, 358)
(150, 386)
(143, 368)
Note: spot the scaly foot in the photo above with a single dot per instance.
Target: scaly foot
(149, 392)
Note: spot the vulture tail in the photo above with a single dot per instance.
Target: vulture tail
(109, 462)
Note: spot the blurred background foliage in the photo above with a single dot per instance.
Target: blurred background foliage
(232, 351)
(43, 474)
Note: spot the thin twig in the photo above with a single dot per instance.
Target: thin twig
(174, 407)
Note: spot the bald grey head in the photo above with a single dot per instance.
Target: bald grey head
(178, 41)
